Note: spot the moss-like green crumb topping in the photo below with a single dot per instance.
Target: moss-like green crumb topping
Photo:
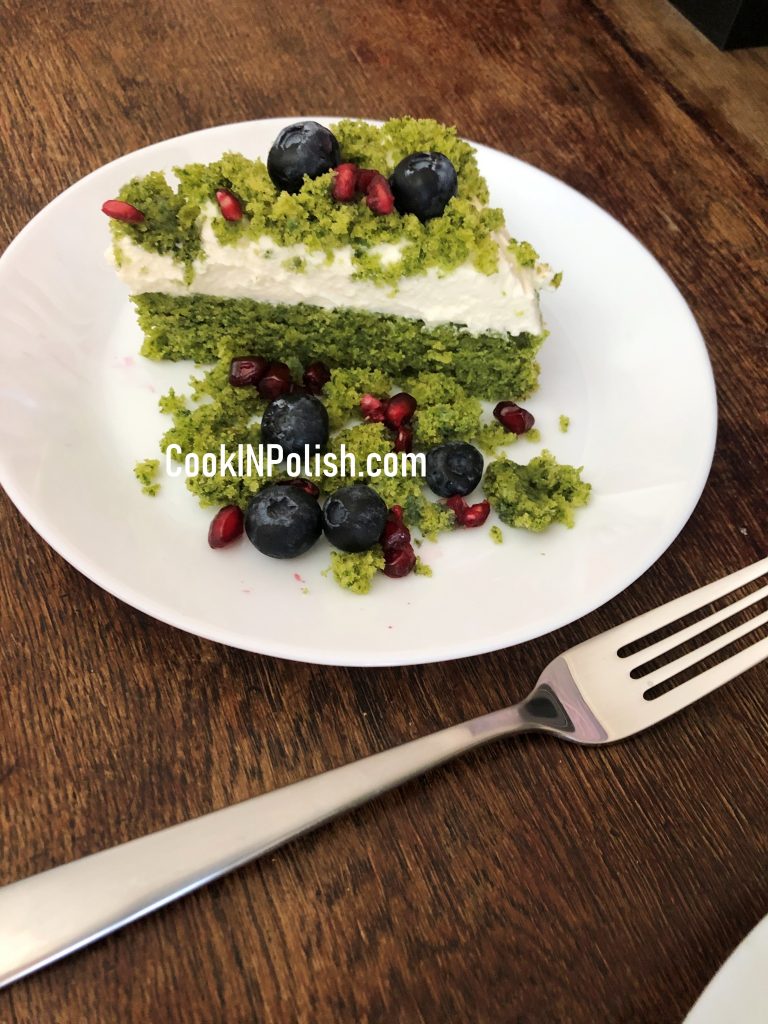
(523, 252)
(170, 220)
(421, 568)
(534, 434)
(146, 472)
(429, 517)
(496, 535)
(565, 422)
(467, 231)
(356, 571)
(535, 495)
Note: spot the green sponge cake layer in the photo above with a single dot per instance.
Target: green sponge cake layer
(197, 327)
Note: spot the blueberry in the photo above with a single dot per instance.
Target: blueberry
(295, 422)
(454, 468)
(302, 148)
(283, 521)
(354, 518)
(422, 183)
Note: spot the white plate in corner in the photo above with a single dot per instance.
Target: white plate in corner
(738, 993)
(78, 407)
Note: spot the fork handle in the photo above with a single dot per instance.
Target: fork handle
(49, 915)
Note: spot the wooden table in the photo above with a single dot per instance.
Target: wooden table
(530, 882)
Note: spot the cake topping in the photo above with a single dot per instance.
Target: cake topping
(513, 417)
(468, 516)
(119, 210)
(315, 377)
(345, 185)
(372, 408)
(399, 409)
(283, 521)
(454, 468)
(400, 562)
(354, 518)
(226, 526)
(404, 439)
(247, 371)
(364, 178)
(303, 148)
(275, 381)
(399, 556)
(395, 532)
(305, 485)
(423, 184)
(349, 180)
(296, 422)
(378, 195)
(229, 205)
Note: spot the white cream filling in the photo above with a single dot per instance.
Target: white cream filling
(504, 301)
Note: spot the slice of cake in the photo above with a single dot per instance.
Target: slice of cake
(361, 245)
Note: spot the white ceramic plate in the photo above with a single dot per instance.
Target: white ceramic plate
(78, 407)
(738, 993)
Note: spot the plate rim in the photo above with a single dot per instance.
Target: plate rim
(105, 580)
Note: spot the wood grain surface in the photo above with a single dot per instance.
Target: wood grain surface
(530, 882)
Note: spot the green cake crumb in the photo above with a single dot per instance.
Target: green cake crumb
(346, 387)
(565, 422)
(535, 495)
(496, 535)
(523, 252)
(421, 568)
(557, 280)
(145, 472)
(356, 571)
(429, 517)
(534, 434)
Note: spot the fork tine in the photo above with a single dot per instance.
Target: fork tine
(691, 691)
(650, 621)
(648, 654)
(700, 653)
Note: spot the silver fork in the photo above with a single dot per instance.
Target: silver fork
(586, 695)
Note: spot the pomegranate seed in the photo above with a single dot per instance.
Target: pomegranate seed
(226, 526)
(468, 516)
(513, 418)
(399, 556)
(306, 485)
(458, 506)
(372, 409)
(316, 376)
(229, 205)
(395, 534)
(246, 370)
(404, 440)
(276, 381)
(379, 196)
(344, 183)
(364, 178)
(118, 210)
(399, 410)
(399, 562)
(476, 515)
